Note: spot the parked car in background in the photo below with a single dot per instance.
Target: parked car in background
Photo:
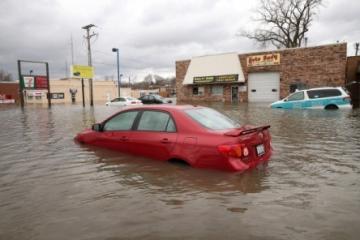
(124, 101)
(198, 136)
(153, 99)
(316, 98)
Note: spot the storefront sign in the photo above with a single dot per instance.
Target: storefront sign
(263, 60)
(57, 95)
(41, 82)
(216, 79)
(28, 82)
(79, 71)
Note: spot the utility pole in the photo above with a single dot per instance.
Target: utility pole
(72, 50)
(118, 68)
(88, 37)
(356, 48)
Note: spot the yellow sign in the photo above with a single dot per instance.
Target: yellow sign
(80, 71)
(263, 60)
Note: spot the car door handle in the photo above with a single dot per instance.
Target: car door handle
(124, 138)
(165, 140)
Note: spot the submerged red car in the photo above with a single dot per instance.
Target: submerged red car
(198, 136)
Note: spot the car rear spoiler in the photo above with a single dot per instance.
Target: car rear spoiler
(241, 132)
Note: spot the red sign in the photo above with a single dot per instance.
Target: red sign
(41, 82)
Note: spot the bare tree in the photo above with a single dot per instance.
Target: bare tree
(5, 76)
(284, 22)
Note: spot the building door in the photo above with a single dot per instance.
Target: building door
(234, 94)
(264, 87)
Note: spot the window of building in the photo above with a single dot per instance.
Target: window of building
(30, 97)
(217, 90)
(297, 86)
(38, 97)
(198, 91)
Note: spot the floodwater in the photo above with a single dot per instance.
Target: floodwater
(54, 188)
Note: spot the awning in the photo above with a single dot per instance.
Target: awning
(222, 68)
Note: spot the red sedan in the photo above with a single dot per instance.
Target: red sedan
(198, 136)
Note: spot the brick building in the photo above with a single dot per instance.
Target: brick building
(353, 69)
(10, 90)
(261, 76)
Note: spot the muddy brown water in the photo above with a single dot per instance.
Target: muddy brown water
(53, 188)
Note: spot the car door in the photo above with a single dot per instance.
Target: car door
(296, 100)
(152, 99)
(145, 99)
(155, 135)
(116, 131)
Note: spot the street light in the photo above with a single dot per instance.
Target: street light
(118, 68)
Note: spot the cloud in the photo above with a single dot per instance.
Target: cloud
(151, 35)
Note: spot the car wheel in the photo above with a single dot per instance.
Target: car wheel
(331, 107)
(179, 162)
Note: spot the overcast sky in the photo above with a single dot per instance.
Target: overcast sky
(151, 34)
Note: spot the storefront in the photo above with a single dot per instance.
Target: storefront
(260, 77)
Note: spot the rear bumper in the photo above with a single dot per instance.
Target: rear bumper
(236, 164)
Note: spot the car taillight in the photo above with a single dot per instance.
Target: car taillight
(233, 150)
(347, 98)
(133, 102)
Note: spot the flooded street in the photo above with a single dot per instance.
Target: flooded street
(54, 188)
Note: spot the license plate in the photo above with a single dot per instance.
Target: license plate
(260, 149)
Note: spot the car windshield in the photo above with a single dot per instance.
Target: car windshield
(158, 97)
(211, 119)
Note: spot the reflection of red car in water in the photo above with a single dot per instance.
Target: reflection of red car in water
(199, 136)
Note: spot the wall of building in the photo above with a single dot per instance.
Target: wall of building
(353, 69)
(102, 90)
(10, 89)
(314, 66)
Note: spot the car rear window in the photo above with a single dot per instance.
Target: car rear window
(211, 119)
(323, 93)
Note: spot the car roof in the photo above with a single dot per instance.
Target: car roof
(322, 88)
(165, 107)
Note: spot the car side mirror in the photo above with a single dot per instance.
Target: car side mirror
(97, 127)
(285, 100)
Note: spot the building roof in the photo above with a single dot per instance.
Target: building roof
(214, 65)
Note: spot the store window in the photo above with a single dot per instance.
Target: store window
(198, 91)
(38, 97)
(217, 90)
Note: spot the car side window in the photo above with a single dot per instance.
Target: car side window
(156, 121)
(122, 121)
(171, 126)
(296, 96)
(323, 93)
(115, 100)
(122, 99)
